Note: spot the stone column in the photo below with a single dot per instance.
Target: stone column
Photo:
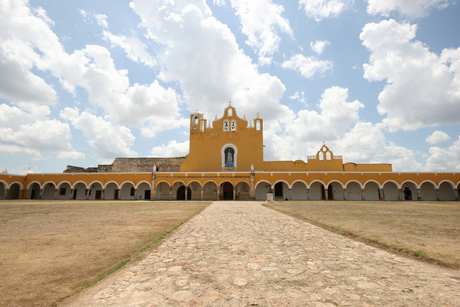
(363, 197)
(186, 193)
(153, 192)
(234, 192)
(41, 193)
(344, 194)
(400, 194)
(456, 194)
(135, 194)
(119, 194)
(437, 195)
(87, 193)
(6, 194)
(290, 194)
(326, 194)
(103, 194)
(202, 193)
(71, 193)
(308, 194)
(170, 193)
(56, 193)
(381, 195)
(252, 191)
(419, 195)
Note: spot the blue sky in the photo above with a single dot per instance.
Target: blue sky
(84, 82)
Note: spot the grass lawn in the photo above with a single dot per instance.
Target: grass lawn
(421, 229)
(52, 249)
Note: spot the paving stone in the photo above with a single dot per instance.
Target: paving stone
(243, 254)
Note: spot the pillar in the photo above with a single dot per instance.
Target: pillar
(456, 194)
(135, 193)
(170, 193)
(400, 194)
(87, 194)
(56, 193)
(308, 193)
(153, 192)
(6, 194)
(202, 193)
(252, 187)
(344, 194)
(419, 195)
(381, 196)
(186, 193)
(103, 194)
(41, 193)
(363, 197)
(437, 195)
(290, 193)
(71, 193)
(326, 194)
(118, 194)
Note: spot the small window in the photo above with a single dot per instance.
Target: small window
(225, 125)
(258, 125)
(233, 125)
(230, 111)
(132, 191)
(195, 120)
(202, 126)
(62, 191)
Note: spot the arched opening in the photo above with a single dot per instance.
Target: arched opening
(49, 191)
(371, 191)
(242, 191)
(2, 190)
(163, 191)
(226, 190)
(180, 194)
(281, 191)
(409, 191)
(15, 191)
(127, 191)
(210, 191)
(143, 191)
(33, 193)
(262, 189)
(353, 191)
(95, 191)
(390, 191)
(64, 190)
(79, 191)
(194, 191)
(427, 191)
(299, 191)
(446, 191)
(335, 191)
(317, 191)
(111, 191)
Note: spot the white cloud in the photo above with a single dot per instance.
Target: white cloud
(102, 20)
(423, 89)
(412, 8)
(307, 66)
(446, 159)
(173, 149)
(319, 46)
(110, 140)
(261, 20)
(437, 137)
(134, 48)
(217, 71)
(299, 96)
(319, 9)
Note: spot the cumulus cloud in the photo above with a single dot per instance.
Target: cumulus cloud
(173, 149)
(217, 71)
(134, 48)
(299, 96)
(261, 20)
(101, 20)
(446, 159)
(423, 89)
(319, 9)
(412, 8)
(307, 66)
(110, 140)
(319, 46)
(437, 137)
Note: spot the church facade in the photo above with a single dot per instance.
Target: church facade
(225, 161)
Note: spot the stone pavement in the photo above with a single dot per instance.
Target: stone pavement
(243, 254)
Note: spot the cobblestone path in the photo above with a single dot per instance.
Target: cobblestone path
(243, 254)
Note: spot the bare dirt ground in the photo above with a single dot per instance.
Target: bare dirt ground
(423, 229)
(48, 247)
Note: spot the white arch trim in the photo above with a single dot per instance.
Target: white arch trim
(369, 181)
(210, 181)
(126, 182)
(332, 181)
(5, 185)
(75, 184)
(281, 180)
(141, 182)
(105, 186)
(351, 181)
(163, 181)
(427, 181)
(63, 182)
(319, 181)
(30, 184)
(392, 181)
(410, 181)
(235, 155)
(21, 187)
(262, 181)
(448, 181)
(300, 181)
(193, 181)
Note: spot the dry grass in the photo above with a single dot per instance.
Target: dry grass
(51, 249)
(422, 229)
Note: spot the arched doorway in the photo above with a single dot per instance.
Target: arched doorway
(390, 191)
(317, 191)
(371, 191)
(180, 194)
(335, 191)
(299, 191)
(15, 191)
(227, 191)
(281, 191)
(446, 191)
(210, 191)
(427, 191)
(34, 191)
(242, 191)
(409, 191)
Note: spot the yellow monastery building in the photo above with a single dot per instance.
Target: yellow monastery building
(225, 161)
